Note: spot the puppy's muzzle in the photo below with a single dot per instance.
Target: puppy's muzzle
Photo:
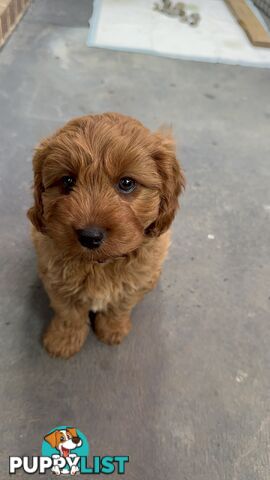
(91, 237)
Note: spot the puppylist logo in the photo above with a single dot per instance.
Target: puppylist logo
(65, 451)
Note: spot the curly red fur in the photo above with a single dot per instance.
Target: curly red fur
(98, 150)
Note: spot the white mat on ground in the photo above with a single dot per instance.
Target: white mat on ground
(133, 25)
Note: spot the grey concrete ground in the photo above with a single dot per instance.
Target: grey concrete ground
(187, 395)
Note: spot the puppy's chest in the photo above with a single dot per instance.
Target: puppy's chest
(98, 293)
(93, 286)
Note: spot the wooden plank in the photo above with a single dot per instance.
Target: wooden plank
(11, 11)
(250, 23)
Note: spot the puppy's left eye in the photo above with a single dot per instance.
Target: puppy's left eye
(68, 183)
(126, 185)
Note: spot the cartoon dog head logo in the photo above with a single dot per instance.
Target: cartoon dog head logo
(64, 440)
(65, 445)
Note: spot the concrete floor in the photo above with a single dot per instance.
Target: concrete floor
(187, 395)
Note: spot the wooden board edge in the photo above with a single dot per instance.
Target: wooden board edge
(4, 35)
(255, 31)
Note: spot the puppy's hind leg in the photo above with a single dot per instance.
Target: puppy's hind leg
(67, 330)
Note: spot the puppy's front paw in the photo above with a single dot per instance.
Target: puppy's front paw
(74, 470)
(111, 331)
(64, 341)
(56, 470)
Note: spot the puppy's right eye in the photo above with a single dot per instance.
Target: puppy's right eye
(68, 183)
(62, 439)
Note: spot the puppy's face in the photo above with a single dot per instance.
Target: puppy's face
(102, 184)
(64, 440)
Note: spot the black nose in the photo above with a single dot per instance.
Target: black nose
(76, 440)
(91, 237)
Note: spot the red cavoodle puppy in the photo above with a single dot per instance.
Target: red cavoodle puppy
(105, 193)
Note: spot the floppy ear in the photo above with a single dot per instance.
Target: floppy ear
(73, 432)
(51, 439)
(35, 213)
(173, 183)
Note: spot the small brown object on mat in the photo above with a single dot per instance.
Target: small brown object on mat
(11, 11)
(255, 31)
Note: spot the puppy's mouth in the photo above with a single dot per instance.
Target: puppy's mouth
(110, 259)
(102, 256)
(64, 451)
